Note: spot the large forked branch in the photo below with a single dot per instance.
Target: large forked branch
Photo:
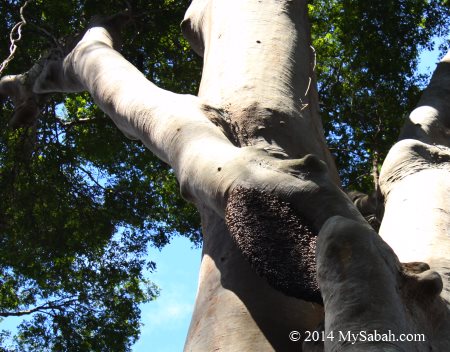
(180, 131)
(415, 181)
(165, 122)
(210, 169)
(363, 285)
(177, 128)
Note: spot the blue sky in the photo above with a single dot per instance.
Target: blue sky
(166, 320)
(429, 59)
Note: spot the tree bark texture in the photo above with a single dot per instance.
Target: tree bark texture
(249, 151)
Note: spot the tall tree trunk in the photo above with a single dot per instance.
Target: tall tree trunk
(415, 181)
(254, 75)
(249, 151)
(236, 310)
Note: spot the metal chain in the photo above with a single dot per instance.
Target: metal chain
(14, 36)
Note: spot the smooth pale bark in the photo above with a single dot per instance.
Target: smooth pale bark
(415, 181)
(258, 70)
(255, 126)
(236, 309)
(364, 286)
(366, 289)
(255, 55)
(184, 131)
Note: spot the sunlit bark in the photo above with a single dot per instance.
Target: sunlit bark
(253, 132)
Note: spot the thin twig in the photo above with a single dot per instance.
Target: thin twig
(77, 122)
(57, 304)
(47, 34)
(92, 178)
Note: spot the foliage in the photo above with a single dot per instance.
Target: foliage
(81, 203)
(367, 55)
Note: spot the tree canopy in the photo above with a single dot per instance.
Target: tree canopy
(81, 203)
(367, 61)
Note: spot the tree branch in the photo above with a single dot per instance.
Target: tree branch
(179, 129)
(77, 122)
(42, 308)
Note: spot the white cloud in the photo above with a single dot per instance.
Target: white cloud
(166, 320)
(167, 315)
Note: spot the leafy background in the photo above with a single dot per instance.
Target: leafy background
(368, 54)
(81, 206)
